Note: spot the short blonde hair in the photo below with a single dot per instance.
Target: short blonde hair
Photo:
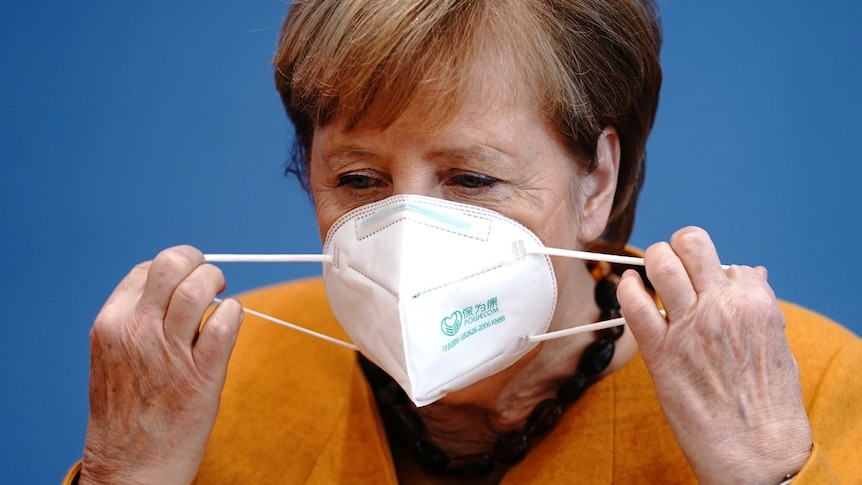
(592, 63)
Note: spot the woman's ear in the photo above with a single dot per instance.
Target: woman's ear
(600, 186)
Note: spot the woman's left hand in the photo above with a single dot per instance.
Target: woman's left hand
(720, 362)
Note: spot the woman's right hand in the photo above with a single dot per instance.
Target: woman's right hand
(156, 375)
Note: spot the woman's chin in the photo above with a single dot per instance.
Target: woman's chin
(486, 392)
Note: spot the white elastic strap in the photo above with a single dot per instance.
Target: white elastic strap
(579, 329)
(296, 327)
(609, 258)
(268, 258)
(326, 258)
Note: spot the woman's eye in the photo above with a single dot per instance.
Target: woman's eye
(473, 180)
(356, 181)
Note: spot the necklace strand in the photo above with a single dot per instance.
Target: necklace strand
(404, 425)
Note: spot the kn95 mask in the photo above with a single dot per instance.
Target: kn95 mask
(437, 293)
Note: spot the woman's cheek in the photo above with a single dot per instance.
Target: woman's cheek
(328, 211)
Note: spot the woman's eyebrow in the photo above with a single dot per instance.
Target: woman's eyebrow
(346, 152)
(476, 153)
(471, 153)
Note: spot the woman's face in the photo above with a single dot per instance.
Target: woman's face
(496, 152)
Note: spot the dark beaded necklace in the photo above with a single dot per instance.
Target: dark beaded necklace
(404, 425)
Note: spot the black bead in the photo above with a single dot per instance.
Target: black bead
(606, 294)
(572, 389)
(544, 416)
(403, 422)
(390, 393)
(612, 333)
(470, 465)
(609, 314)
(512, 447)
(597, 356)
(431, 456)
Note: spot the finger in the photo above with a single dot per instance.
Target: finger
(670, 279)
(189, 302)
(122, 300)
(697, 253)
(130, 286)
(640, 312)
(216, 340)
(168, 269)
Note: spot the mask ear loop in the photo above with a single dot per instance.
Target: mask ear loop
(568, 253)
(278, 258)
(609, 258)
(528, 339)
(268, 258)
(295, 327)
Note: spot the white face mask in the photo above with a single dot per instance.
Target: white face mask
(438, 294)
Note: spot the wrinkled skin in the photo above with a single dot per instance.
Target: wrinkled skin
(155, 381)
(720, 362)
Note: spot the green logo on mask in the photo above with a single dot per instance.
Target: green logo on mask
(451, 324)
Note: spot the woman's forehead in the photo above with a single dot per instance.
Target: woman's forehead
(374, 69)
(490, 86)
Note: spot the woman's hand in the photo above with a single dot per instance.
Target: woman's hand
(720, 362)
(155, 379)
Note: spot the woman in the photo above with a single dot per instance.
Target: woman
(533, 116)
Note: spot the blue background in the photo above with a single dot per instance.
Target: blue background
(127, 127)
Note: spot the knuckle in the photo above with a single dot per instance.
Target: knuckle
(178, 258)
(101, 325)
(105, 323)
(766, 296)
(636, 309)
(190, 291)
(755, 305)
(654, 250)
(657, 259)
(623, 288)
(661, 268)
(664, 269)
(691, 237)
(142, 268)
(757, 293)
